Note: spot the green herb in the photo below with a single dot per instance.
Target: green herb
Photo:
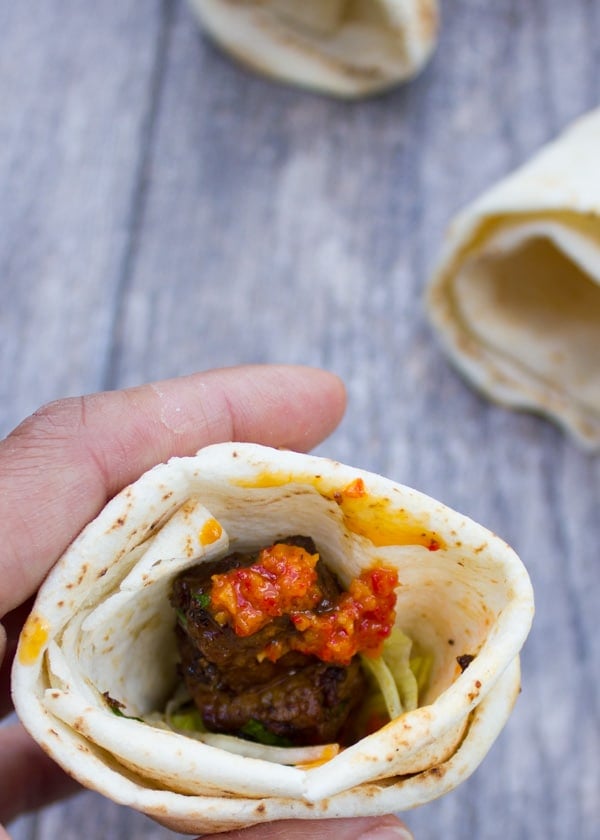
(117, 707)
(256, 731)
(182, 618)
(203, 599)
(119, 713)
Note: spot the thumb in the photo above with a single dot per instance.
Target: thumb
(357, 828)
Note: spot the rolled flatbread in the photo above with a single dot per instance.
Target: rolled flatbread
(516, 294)
(347, 48)
(97, 659)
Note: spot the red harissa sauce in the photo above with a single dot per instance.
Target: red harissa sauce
(284, 581)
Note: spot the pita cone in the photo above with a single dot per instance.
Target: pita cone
(340, 47)
(515, 298)
(97, 660)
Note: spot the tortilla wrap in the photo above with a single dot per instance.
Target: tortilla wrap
(516, 295)
(102, 623)
(347, 48)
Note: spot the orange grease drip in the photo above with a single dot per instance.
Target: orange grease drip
(355, 490)
(329, 751)
(33, 639)
(284, 581)
(373, 517)
(210, 532)
(382, 524)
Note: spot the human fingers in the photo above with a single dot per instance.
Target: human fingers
(4, 675)
(61, 465)
(358, 828)
(29, 778)
(9, 634)
(7, 654)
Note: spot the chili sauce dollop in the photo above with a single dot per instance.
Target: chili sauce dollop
(284, 582)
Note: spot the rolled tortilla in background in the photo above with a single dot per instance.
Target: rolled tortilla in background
(102, 626)
(347, 48)
(516, 294)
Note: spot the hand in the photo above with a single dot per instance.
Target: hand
(60, 467)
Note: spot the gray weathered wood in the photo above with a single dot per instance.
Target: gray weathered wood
(162, 210)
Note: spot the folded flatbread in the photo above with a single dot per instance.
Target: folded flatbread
(516, 295)
(102, 627)
(342, 47)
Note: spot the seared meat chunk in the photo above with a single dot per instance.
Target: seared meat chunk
(296, 697)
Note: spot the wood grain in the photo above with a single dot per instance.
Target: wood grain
(162, 210)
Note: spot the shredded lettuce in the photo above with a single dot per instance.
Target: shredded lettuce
(386, 684)
(399, 677)
(187, 719)
(420, 665)
(396, 654)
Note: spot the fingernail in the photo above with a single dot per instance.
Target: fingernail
(387, 832)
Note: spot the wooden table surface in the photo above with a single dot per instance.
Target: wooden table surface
(162, 211)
